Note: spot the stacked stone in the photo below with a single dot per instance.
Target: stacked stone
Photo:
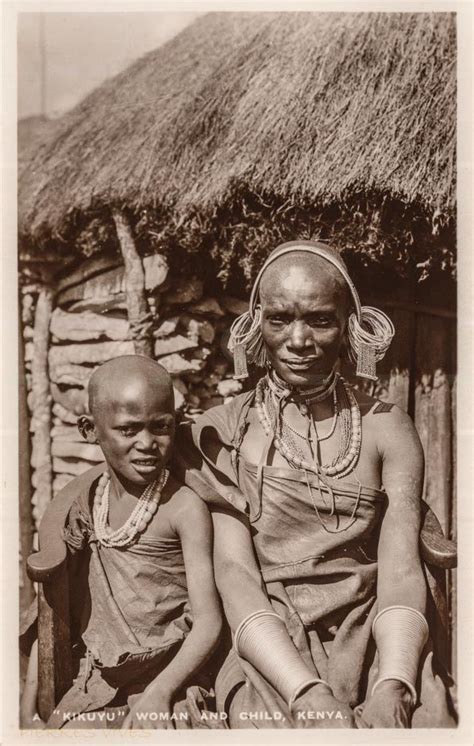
(89, 326)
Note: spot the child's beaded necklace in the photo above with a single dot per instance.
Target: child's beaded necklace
(145, 509)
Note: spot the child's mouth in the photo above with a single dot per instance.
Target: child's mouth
(146, 465)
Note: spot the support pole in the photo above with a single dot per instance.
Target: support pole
(41, 460)
(26, 518)
(139, 316)
(54, 642)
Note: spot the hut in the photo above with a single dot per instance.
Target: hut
(144, 212)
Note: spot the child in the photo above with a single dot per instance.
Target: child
(150, 616)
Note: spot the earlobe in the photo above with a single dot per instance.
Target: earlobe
(86, 427)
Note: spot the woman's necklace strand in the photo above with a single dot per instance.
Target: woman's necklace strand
(319, 437)
(303, 399)
(145, 509)
(350, 449)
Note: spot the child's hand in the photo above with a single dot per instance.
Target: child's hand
(150, 710)
(390, 706)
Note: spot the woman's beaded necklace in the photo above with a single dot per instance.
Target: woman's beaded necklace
(303, 399)
(347, 412)
(145, 509)
(307, 436)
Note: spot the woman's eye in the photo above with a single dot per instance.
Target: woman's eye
(162, 429)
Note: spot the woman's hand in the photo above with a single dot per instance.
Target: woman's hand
(151, 709)
(390, 706)
(318, 708)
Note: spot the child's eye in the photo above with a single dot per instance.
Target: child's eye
(127, 431)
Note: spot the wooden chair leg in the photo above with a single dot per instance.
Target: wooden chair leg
(54, 643)
(438, 613)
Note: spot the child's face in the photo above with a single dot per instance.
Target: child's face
(135, 429)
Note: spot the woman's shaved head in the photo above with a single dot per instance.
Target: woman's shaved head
(304, 268)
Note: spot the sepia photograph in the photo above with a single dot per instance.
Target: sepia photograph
(237, 283)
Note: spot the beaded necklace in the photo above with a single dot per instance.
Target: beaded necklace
(347, 411)
(302, 398)
(145, 509)
(308, 436)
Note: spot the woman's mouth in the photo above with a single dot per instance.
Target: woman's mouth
(298, 364)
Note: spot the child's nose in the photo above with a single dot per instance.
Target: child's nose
(146, 441)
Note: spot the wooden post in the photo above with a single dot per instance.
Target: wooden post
(452, 577)
(400, 355)
(54, 642)
(433, 418)
(433, 411)
(26, 518)
(439, 474)
(41, 415)
(422, 417)
(139, 316)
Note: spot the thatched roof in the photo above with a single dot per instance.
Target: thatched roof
(30, 131)
(285, 110)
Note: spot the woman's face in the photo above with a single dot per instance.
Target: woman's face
(304, 318)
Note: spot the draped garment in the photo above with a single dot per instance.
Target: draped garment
(132, 610)
(316, 545)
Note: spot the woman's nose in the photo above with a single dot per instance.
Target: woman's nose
(300, 336)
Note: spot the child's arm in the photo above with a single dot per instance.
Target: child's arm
(194, 527)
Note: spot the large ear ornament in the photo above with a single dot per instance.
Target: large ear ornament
(241, 370)
(245, 341)
(366, 367)
(369, 340)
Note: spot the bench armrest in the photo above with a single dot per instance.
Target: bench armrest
(435, 548)
(42, 565)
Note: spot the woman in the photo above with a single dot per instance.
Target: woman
(315, 490)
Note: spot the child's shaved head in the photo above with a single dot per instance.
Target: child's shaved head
(132, 418)
(110, 380)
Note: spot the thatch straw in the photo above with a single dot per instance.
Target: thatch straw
(30, 132)
(111, 144)
(296, 110)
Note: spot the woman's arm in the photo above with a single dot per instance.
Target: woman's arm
(243, 593)
(400, 576)
(400, 580)
(237, 575)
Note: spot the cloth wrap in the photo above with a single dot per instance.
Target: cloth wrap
(322, 584)
(132, 611)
